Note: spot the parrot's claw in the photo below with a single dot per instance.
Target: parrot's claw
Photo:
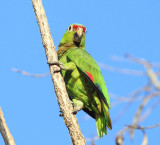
(61, 114)
(59, 64)
(76, 109)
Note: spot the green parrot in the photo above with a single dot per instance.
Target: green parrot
(83, 78)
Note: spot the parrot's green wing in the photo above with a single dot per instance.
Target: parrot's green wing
(91, 71)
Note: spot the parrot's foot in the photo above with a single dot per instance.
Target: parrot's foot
(76, 109)
(59, 64)
(78, 105)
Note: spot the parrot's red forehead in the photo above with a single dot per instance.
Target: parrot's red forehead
(79, 26)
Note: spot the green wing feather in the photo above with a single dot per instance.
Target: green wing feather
(86, 63)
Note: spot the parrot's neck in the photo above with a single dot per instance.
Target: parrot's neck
(62, 48)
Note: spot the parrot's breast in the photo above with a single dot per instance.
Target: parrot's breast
(78, 87)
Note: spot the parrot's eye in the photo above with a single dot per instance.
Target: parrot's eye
(70, 28)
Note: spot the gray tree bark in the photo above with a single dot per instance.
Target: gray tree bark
(7, 137)
(59, 85)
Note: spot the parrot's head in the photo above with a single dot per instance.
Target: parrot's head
(74, 36)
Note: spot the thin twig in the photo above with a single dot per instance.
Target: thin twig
(141, 61)
(150, 72)
(149, 110)
(120, 136)
(8, 139)
(143, 104)
(124, 99)
(121, 70)
(118, 58)
(132, 96)
(141, 127)
(122, 112)
(30, 74)
(153, 81)
(59, 85)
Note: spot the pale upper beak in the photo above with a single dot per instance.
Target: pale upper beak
(78, 35)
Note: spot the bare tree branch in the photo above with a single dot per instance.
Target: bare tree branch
(129, 99)
(123, 59)
(121, 70)
(119, 140)
(137, 115)
(151, 74)
(149, 110)
(140, 127)
(8, 139)
(124, 99)
(30, 74)
(125, 108)
(132, 96)
(152, 88)
(145, 138)
(59, 85)
(120, 136)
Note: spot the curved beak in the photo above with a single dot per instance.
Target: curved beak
(78, 35)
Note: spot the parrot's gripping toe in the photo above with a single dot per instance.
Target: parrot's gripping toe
(59, 64)
(76, 109)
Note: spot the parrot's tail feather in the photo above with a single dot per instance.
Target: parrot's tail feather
(101, 125)
(106, 115)
(103, 121)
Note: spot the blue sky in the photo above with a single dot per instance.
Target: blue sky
(113, 28)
